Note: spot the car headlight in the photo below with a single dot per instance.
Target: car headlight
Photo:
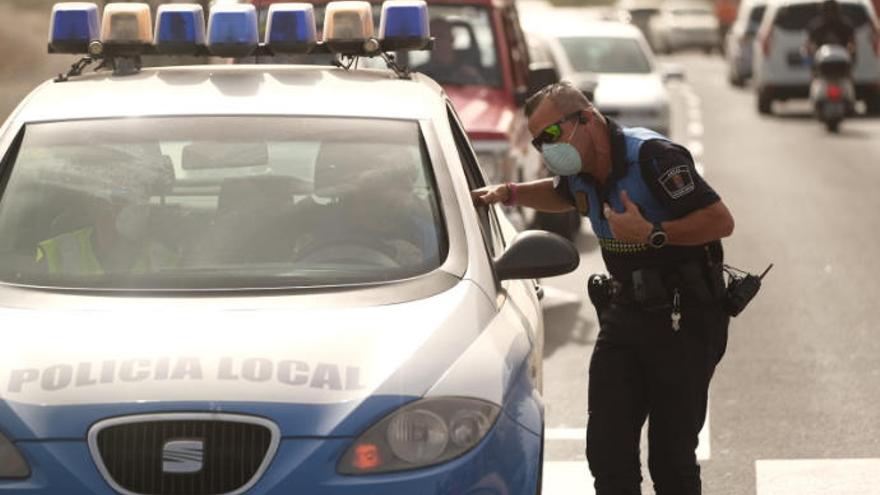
(420, 434)
(12, 464)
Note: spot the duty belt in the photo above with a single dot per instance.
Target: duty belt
(654, 288)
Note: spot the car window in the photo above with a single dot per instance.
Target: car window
(757, 13)
(796, 17)
(220, 202)
(488, 225)
(856, 14)
(605, 55)
(755, 16)
(464, 49)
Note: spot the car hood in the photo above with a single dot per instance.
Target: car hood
(315, 372)
(630, 91)
(485, 112)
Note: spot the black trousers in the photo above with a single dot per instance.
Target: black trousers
(642, 369)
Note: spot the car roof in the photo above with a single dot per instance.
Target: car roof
(236, 90)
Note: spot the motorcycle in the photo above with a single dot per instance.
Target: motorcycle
(832, 93)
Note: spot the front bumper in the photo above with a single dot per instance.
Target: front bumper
(507, 461)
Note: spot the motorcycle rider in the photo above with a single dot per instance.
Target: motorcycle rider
(830, 28)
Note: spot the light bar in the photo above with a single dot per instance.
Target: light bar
(232, 30)
(180, 29)
(73, 26)
(404, 25)
(347, 26)
(291, 28)
(126, 28)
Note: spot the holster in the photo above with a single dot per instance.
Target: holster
(600, 291)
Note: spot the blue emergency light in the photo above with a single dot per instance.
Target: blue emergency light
(180, 29)
(291, 28)
(73, 26)
(232, 30)
(404, 25)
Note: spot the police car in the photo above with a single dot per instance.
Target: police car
(259, 279)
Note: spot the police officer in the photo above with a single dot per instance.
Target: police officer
(830, 28)
(662, 325)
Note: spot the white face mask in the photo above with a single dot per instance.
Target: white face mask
(132, 221)
(562, 158)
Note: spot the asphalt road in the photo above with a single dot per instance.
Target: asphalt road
(795, 403)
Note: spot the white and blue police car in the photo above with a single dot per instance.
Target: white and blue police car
(265, 279)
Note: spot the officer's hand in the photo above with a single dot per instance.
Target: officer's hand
(630, 225)
(490, 194)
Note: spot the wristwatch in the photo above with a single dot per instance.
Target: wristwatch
(658, 237)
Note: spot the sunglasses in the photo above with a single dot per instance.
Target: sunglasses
(553, 132)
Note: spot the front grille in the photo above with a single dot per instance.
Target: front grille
(135, 458)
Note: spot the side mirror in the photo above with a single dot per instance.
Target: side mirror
(673, 72)
(540, 75)
(537, 254)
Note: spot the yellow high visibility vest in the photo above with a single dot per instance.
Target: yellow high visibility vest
(70, 253)
(73, 254)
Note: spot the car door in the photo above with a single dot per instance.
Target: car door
(516, 300)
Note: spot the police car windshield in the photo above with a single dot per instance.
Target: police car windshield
(605, 55)
(219, 202)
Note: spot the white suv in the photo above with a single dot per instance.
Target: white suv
(780, 69)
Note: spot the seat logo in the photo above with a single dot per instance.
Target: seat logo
(183, 456)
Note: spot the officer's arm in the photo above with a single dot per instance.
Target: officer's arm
(539, 194)
(700, 226)
(699, 216)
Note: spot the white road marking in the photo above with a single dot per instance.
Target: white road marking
(565, 434)
(704, 450)
(566, 478)
(818, 477)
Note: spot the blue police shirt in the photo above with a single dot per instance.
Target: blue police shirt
(660, 178)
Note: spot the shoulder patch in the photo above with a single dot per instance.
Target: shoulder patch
(677, 181)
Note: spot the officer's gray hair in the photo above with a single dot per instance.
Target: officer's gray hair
(564, 95)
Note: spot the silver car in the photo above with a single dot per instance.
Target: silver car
(612, 63)
(739, 41)
(685, 24)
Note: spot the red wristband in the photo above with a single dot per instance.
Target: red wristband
(511, 196)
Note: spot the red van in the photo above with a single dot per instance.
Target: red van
(481, 59)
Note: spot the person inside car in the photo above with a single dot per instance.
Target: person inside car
(444, 65)
(116, 236)
(375, 215)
